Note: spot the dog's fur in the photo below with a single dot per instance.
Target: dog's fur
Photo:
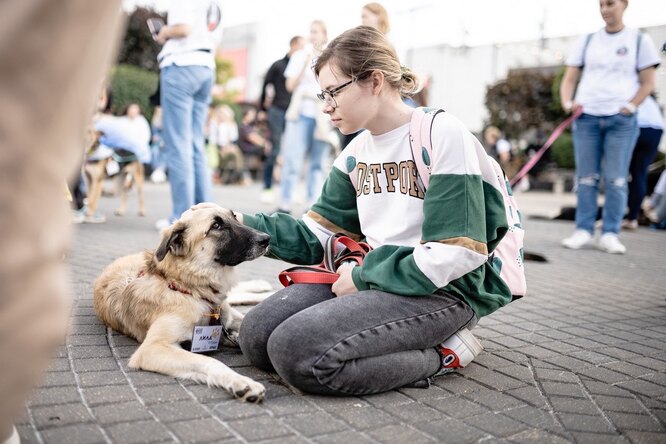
(95, 173)
(145, 296)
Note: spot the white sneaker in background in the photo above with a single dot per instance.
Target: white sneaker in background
(579, 239)
(267, 196)
(158, 176)
(162, 225)
(610, 243)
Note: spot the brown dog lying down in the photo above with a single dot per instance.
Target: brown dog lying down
(159, 298)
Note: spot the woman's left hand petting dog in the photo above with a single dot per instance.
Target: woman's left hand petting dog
(159, 297)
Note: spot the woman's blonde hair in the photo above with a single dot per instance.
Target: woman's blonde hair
(360, 51)
(382, 16)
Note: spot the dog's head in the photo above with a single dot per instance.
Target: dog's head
(211, 236)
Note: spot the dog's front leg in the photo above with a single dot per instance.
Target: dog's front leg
(161, 353)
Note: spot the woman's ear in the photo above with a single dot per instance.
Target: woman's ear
(377, 78)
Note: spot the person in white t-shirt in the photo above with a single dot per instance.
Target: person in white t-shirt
(651, 125)
(187, 75)
(616, 68)
(306, 133)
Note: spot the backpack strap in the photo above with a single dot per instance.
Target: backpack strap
(420, 140)
(587, 43)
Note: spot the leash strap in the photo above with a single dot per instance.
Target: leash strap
(338, 249)
(553, 137)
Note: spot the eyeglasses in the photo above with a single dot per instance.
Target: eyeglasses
(328, 96)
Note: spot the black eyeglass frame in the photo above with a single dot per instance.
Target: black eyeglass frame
(328, 96)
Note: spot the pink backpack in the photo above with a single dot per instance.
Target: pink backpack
(507, 258)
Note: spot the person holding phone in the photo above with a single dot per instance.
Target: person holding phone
(187, 75)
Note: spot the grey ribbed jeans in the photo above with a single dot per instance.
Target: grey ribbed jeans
(364, 343)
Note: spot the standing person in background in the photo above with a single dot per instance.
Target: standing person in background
(497, 147)
(616, 67)
(373, 15)
(187, 74)
(40, 68)
(306, 127)
(651, 126)
(276, 112)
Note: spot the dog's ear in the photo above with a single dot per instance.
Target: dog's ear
(174, 242)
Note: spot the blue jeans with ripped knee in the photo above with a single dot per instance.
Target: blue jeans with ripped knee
(603, 147)
(363, 343)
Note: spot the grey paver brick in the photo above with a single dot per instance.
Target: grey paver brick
(234, 409)
(124, 351)
(95, 364)
(414, 413)
(27, 434)
(365, 417)
(58, 365)
(530, 394)
(538, 436)
(54, 396)
(107, 377)
(77, 340)
(563, 389)
(288, 405)
(596, 438)
(74, 434)
(108, 394)
(492, 378)
(496, 424)
(585, 423)
(57, 379)
(458, 385)
(260, 428)
(645, 437)
(618, 404)
(179, 411)
(643, 387)
(313, 424)
(343, 438)
(573, 405)
(457, 407)
(120, 412)
(398, 435)
(495, 401)
(138, 432)
(452, 430)
(631, 421)
(60, 415)
(200, 430)
(162, 393)
(535, 418)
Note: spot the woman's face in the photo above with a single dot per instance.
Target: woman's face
(369, 18)
(351, 111)
(612, 11)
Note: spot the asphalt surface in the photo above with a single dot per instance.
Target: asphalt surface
(581, 359)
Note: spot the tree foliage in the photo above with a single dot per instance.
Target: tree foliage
(138, 47)
(131, 84)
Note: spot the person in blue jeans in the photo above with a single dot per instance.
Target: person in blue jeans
(306, 132)
(187, 74)
(651, 125)
(616, 67)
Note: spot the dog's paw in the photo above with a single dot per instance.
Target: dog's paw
(244, 388)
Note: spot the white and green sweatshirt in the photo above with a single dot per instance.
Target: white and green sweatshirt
(422, 242)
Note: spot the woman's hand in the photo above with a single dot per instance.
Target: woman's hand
(345, 284)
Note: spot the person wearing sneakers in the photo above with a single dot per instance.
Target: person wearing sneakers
(404, 314)
(616, 67)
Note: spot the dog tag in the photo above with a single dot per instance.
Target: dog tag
(206, 338)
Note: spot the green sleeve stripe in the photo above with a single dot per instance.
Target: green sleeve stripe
(337, 204)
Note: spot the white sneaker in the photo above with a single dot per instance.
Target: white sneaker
(267, 196)
(162, 224)
(579, 239)
(458, 351)
(610, 243)
(158, 176)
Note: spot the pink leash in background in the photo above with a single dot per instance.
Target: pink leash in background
(553, 137)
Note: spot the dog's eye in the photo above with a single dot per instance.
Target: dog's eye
(216, 226)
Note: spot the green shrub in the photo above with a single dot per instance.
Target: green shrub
(562, 151)
(130, 84)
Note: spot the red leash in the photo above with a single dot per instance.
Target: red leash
(553, 137)
(338, 250)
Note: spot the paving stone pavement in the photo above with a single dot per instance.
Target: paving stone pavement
(581, 359)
